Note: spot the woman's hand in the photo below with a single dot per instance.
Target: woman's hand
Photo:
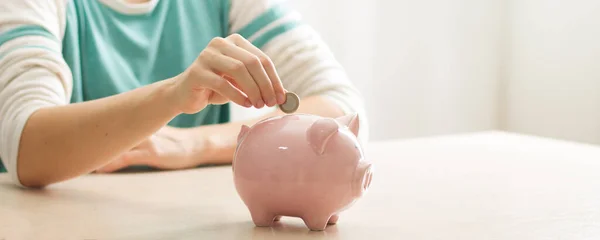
(170, 148)
(229, 69)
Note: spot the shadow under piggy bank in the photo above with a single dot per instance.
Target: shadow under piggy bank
(290, 228)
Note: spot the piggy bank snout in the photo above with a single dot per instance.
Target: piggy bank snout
(362, 179)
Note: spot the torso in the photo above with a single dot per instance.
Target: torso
(110, 51)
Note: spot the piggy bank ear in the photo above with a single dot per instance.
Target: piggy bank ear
(320, 132)
(243, 132)
(350, 121)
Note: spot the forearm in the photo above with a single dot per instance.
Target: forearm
(222, 138)
(63, 142)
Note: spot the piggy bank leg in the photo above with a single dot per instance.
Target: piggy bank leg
(316, 222)
(333, 219)
(262, 219)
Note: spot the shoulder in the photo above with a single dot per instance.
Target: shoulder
(261, 21)
(44, 15)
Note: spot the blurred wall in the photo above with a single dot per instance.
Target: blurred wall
(553, 69)
(435, 66)
(424, 67)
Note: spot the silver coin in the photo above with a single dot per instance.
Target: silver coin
(291, 104)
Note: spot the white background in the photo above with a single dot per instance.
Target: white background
(554, 69)
(433, 67)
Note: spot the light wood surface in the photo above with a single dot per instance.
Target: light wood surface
(475, 186)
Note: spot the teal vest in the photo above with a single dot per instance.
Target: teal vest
(110, 53)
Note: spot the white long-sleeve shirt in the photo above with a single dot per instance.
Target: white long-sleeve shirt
(57, 52)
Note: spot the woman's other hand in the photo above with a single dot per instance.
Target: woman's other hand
(229, 69)
(168, 149)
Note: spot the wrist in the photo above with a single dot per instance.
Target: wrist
(217, 142)
(170, 93)
(200, 148)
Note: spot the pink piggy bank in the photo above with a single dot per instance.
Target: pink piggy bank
(301, 166)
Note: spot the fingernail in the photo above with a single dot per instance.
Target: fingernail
(280, 98)
(271, 102)
(260, 103)
(247, 103)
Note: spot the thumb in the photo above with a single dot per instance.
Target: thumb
(217, 99)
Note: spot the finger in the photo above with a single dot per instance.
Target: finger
(219, 99)
(254, 66)
(266, 63)
(231, 80)
(235, 85)
(227, 65)
(218, 84)
(226, 89)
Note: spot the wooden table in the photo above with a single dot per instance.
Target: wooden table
(488, 185)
